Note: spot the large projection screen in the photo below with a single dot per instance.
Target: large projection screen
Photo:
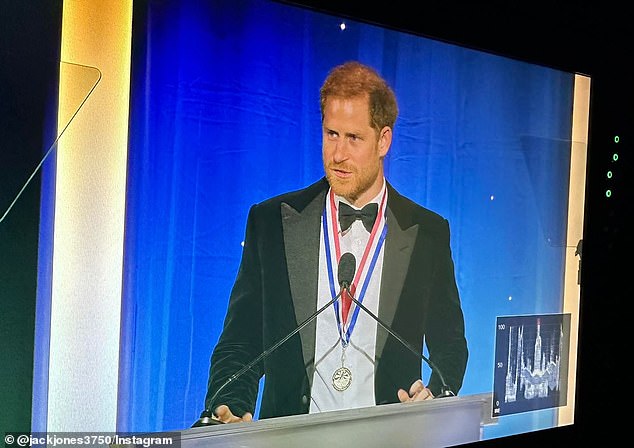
(225, 113)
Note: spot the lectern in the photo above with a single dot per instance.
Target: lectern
(427, 424)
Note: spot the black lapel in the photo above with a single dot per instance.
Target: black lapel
(399, 244)
(301, 228)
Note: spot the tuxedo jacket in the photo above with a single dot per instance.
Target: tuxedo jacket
(276, 290)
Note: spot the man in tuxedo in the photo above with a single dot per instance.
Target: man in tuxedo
(404, 274)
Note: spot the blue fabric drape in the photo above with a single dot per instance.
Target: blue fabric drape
(225, 113)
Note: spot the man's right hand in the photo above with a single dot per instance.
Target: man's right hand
(224, 414)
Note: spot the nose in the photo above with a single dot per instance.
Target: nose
(340, 151)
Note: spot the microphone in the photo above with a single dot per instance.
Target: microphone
(346, 271)
(347, 268)
(445, 390)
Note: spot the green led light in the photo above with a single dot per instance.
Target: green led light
(616, 139)
(615, 156)
(608, 193)
(609, 174)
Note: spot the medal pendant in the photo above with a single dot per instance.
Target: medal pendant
(341, 379)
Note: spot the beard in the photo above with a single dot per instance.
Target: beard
(357, 184)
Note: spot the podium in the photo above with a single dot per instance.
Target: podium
(429, 424)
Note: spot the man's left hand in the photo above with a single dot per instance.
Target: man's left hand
(417, 392)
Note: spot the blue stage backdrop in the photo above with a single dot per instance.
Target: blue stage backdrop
(225, 113)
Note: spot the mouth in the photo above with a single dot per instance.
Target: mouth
(341, 173)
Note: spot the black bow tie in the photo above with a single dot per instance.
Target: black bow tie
(367, 215)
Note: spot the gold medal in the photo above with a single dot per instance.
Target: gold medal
(341, 379)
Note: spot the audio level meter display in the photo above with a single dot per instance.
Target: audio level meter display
(531, 363)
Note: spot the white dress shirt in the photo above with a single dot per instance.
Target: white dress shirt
(358, 356)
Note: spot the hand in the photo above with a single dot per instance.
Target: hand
(224, 414)
(417, 392)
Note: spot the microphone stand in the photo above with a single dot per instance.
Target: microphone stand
(206, 418)
(445, 390)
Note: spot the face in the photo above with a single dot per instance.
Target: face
(352, 151)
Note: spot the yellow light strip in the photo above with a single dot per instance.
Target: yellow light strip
(576, 201)
(89, 220)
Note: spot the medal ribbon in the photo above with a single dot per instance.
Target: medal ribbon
(380, 223)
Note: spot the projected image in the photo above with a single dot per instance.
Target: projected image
(531, 366)
(225, 114)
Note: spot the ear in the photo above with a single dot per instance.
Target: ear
(385, 141)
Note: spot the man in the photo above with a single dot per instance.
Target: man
(404, 274)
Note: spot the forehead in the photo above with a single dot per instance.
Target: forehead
(340, 110)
